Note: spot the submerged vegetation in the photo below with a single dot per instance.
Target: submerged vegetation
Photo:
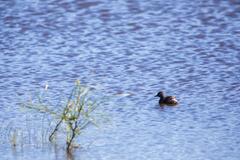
(73, 117)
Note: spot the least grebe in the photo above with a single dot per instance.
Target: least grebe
(166, 100)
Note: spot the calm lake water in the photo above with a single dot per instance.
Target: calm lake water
(127, 50)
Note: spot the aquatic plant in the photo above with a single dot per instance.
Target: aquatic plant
(13, 138)
(74, 117)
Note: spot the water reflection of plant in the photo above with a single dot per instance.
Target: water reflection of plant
(74, 117)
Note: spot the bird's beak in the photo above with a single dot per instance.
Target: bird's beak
(156, 96)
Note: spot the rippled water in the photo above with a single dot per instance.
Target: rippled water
(129, 50)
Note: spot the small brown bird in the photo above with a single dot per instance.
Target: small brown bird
(166, 100)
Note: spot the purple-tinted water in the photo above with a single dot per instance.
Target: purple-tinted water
(129, 50)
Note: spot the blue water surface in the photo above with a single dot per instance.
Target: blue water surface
(127, 51)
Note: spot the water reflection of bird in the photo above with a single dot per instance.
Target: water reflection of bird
(166, 100)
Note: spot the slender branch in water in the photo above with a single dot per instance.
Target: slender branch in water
(69, 144)
(65, 111)
(55, 130)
